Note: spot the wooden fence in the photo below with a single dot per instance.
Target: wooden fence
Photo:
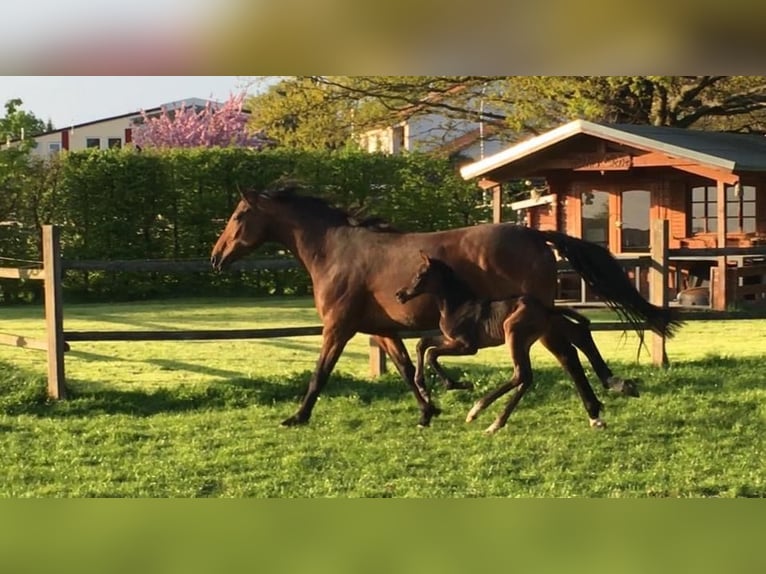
(57, 339)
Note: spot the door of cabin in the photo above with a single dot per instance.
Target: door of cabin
(632, 221)
(616, 217)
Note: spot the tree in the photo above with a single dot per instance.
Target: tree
(303, 113)
(19, 124)
(328, 110)
(214, 125)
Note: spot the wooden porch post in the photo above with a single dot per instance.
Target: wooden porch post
(54, 315)
(497, 204)
(658, 283)
(720, 297)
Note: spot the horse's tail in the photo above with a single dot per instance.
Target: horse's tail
(603, 273)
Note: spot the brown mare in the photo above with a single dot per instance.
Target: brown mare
(469, 323)
(356, 268)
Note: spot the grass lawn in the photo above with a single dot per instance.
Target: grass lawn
(201, 418)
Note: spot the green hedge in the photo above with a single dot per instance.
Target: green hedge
(124, 204)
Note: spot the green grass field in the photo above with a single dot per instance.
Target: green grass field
(201, 418)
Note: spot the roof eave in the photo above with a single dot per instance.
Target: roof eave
(521, 150)
(528, 147)
(649, 144)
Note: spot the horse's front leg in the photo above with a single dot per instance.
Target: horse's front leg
(395, 349)
(453, 347)
(580, 336)
(333, 343)
(422, 346)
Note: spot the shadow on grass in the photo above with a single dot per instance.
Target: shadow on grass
(168, 364)
(25, 394)
(710, 374)
(175, 365)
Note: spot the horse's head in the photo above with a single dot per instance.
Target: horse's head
(244, 232)
(429, 278)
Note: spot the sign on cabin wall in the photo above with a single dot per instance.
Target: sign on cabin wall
(601, 162)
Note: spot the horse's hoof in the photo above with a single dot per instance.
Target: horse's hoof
(597, 423)
(458, 386)
(425, 420)
(294, 421)
(473, 413)
(625, 387)
(434, 411)
(492, 429)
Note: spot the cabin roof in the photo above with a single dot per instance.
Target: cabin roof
(727, 151)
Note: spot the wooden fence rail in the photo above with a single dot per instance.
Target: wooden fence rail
(57, 338)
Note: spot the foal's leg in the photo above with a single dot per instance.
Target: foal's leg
(580, 336)
(558, 344)
(333, 343)
(522, 375)
(422, 346)
(493, 395)
(398, 353)
(452, 347)
(522, 328)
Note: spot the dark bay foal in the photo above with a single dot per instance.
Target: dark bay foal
(469, 323)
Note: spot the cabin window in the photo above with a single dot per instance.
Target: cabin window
(114, 143)
(595, 217)
(636, 204)
(93, 143)
(740, 209)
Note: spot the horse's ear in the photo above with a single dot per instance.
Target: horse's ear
(248, 195)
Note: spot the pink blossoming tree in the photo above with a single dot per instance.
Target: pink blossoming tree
(214, 125)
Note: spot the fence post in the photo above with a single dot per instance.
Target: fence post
(54, 316)
(377, 359)
(658, 283)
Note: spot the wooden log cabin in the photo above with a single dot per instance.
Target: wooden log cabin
(605, 183)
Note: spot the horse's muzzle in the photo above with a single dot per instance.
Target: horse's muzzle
(216, 261)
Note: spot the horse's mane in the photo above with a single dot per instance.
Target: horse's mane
(294, 193)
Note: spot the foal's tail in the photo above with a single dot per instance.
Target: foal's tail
(603, 273)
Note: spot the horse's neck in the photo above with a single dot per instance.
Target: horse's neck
(306, 240)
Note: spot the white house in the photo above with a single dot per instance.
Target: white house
(435, 133)
(115, 131)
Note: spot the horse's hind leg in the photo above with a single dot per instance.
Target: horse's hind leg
(423, 345)
(558, 344)
(398, 353)
(580, 336)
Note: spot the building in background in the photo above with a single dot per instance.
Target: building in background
(105, 133)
